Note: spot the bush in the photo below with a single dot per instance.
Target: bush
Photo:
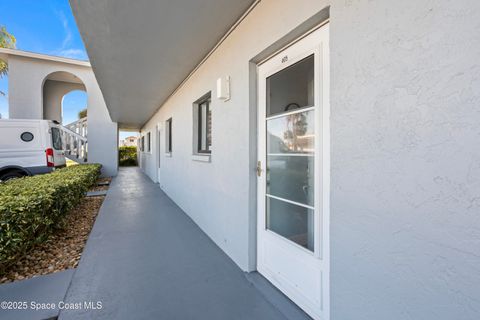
(31, 207)
(82, 113)
(127, 156)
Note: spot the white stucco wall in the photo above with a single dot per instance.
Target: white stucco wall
(53, 93)
(405, 91)
(26, 79)
(405, 176)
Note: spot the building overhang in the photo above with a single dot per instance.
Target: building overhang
(142, 50)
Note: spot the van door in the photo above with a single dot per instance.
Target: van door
(57, 146)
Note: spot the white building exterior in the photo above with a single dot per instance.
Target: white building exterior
(394, 87)
(37, 84)
(129, 142)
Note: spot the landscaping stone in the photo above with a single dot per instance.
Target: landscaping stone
(96, 193)
(102, 184)
(63, 248)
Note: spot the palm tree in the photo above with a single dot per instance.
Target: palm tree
(7, 40)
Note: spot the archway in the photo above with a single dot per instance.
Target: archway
(74, 106)
(64, 95)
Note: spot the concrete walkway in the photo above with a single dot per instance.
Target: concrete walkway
(35, 292)
(146, 259)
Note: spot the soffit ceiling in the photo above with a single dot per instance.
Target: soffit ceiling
(142, 50)
(63, 76)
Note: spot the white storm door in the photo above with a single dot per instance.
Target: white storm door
(293, 172)
(159, 152)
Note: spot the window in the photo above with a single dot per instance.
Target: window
(168, 127)
(202, 125)
(142, 144)
(26, 136)
(291, 88)
(148, 142)
(56, 139)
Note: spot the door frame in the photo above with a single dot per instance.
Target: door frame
(299, 50)
(158, 137)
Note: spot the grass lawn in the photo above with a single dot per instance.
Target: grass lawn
(71, 163)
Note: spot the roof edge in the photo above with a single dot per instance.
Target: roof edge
(41, 56)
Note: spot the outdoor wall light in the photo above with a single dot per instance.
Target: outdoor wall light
(223, 88)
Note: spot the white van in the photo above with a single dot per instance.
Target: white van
(29, 147)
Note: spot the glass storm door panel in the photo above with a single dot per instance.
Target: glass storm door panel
(159, 153)
(291, 153)
(292, 208)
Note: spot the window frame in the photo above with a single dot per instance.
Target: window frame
(149, 142)
(207, 102)
(168, 136)
(202, 128)
(56, 133)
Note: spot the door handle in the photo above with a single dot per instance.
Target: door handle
(259, 168)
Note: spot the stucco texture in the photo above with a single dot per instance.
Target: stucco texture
(405, 97)
(405, 162)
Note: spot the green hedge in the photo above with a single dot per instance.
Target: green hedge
(127, 156)
(31, 207)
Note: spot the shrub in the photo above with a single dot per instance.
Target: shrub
(31, 207)
(127, 156)
(82, 113)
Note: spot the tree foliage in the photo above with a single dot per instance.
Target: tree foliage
(127, 156)
(82, 113)
(7, 40)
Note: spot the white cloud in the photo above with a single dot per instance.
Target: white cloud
(65, 50)
(66, 29)
(73, 54)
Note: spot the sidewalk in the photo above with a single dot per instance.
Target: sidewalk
(146, 259)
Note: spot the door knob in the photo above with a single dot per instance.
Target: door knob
(259, 168)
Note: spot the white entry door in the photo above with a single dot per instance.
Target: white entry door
(293, 172)
(159, 153)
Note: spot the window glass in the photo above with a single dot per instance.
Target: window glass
(26, 136)
(169, 135)
(291, 88)
(204, 127)
(292, 133)
(291, 178)
(148, 142)
(291, 221)
(291, 153)
(56, 138)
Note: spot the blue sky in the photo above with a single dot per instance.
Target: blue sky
(45, 27)
(48, 27)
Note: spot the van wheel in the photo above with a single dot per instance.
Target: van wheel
(11, 175)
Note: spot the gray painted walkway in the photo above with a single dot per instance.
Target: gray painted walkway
(49, 288)
(146, 259)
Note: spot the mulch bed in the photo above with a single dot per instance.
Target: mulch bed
(63, 248)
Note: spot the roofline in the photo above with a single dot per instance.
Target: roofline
(40, 56)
